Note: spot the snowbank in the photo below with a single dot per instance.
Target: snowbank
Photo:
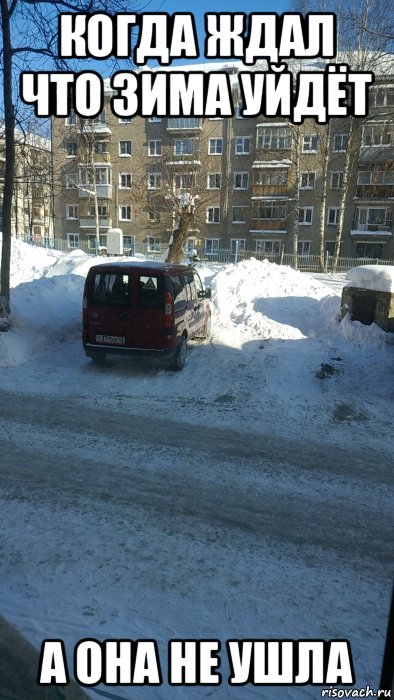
(377, 278)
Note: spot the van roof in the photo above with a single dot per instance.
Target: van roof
(144, 265)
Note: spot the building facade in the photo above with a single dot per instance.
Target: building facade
(257, 184)
(32, 212)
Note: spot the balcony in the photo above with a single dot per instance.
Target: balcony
(90, 222)
(102, 191)
(383, 229)
(184, 124)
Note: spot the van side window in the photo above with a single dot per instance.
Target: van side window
(150, 292)
(178, 291)
(110, 289)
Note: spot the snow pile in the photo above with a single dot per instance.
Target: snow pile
(378, 278)
(251, 300)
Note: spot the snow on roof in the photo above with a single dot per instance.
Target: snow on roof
(378, 278)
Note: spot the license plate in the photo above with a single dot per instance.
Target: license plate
(112, 339)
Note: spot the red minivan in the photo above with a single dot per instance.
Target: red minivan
(144, 308)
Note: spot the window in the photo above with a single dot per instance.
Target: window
(237, 245)
(305, 215)
(125, 120)
(382, 97)
(154, 148)
(309, 144)
(185, 147)
(154, 120)
(184, 181)
(272, 138)
(330, 247)
(213, 215)
(270, 177)
(339, 143)
(378, 134)
(211, 245)
(153, 244)
(125, 212)
(242, 145)
(71, 149)
(71, 181)
(215, 147)
(184, 123)
(102, 176)
(307, 181)
(153, 216)
(125, 181)
(268, 247)
(154, 181)
(336, 180)
(101, 147)
(100, 120)
(241, 181)
(92, 242)
(238, 109)
(73, 240)
(71, 211)
(332, 216)
(369, 250)
(102, 210)
(303, 247)
(375, 177)
(214, 181)
(125, 148)
(239, 214)
(372, 219)
(271, 209)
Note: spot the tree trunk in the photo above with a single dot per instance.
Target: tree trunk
(175, 250)
(345, 188)
(323, 201)
(9, 172)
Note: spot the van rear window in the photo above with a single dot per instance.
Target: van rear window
(110, 289)
(150, 292)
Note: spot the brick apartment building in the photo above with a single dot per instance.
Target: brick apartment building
(256, 181)
(32, 206)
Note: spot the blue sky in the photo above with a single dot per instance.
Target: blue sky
(200, 8)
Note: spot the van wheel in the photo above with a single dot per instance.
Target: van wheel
(181, 354)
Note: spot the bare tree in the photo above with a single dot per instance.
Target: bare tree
(32, 43)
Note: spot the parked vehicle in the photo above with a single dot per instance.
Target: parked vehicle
(144, 308)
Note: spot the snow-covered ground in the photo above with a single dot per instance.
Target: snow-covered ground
(70, 571)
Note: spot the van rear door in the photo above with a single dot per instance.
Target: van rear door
(148, 310)
(109, 313)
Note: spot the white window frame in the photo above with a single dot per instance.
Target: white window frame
(213, 145)
(233, 245)
(154, 244)
(125, 153)
(73, 240)
(72, 212)
(274, 138)
(262, 246)
(242, 145)
(154, 148)
(128, 209)
(304, 211)
(216, 177)
(125, 120)
(301, 245)
(74, 149)
(308, 141)
(154, 181)
(332, 213)
(244, 177)
(310, 180)
(213, 215)
(211, 245)
(342, 146)
(129, 179)
(336, 179)
(71, 181)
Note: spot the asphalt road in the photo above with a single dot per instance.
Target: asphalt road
(61, 451)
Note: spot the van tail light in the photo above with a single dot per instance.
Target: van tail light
(169, 312)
